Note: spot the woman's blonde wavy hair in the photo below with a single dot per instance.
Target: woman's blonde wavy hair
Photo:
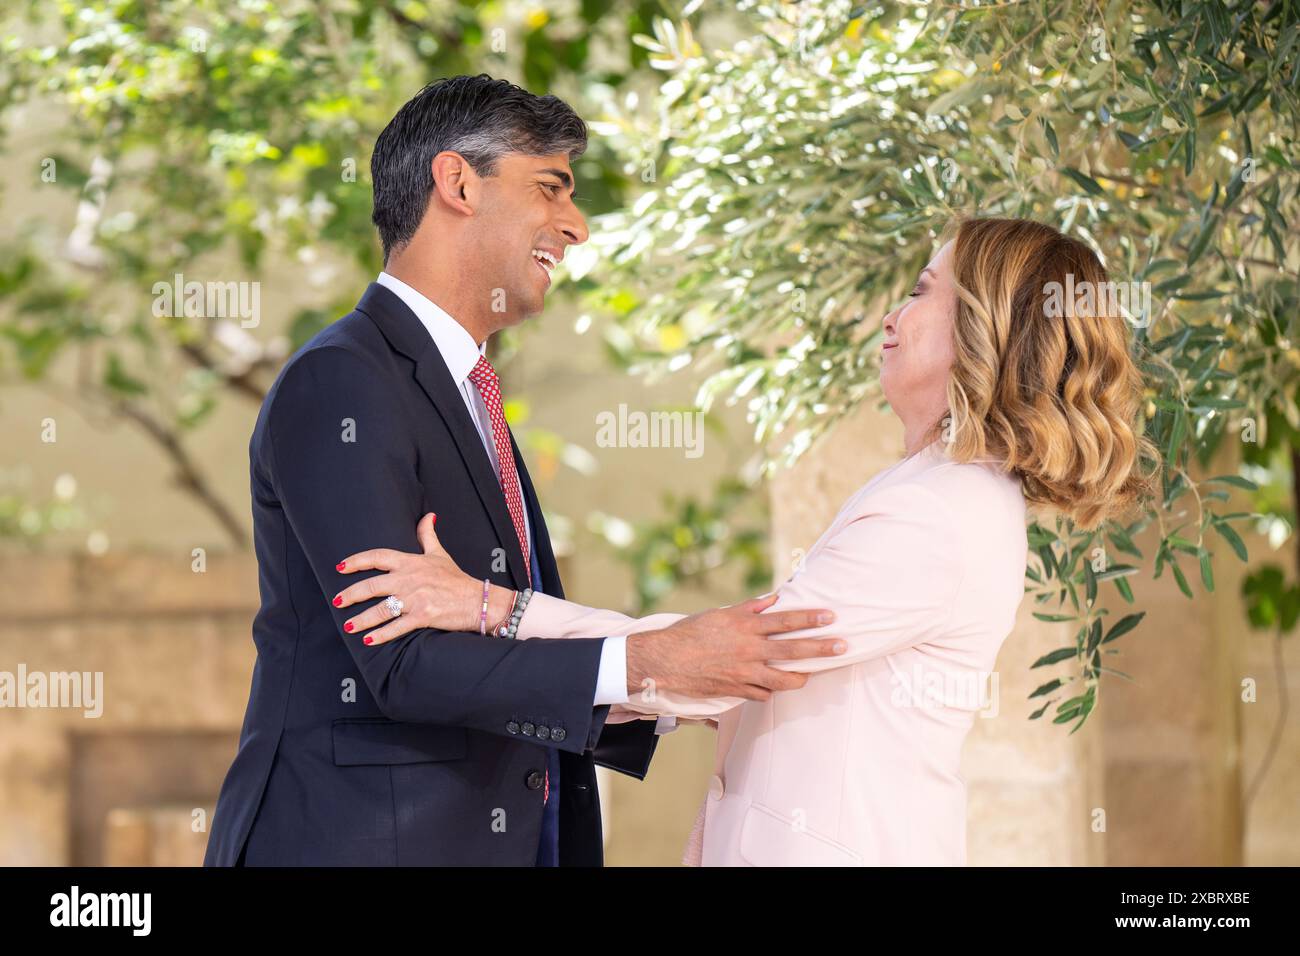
(1056, 398)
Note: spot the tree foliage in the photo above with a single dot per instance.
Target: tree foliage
(797, 179)
(213, 140)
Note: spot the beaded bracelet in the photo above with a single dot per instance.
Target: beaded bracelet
(511, 628)
(482, 618)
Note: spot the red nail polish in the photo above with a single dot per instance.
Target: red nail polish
(339, 566)
(435, 520)
(348, 627)
(338, 601)
(368, 640)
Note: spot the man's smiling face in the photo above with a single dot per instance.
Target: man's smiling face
(526, 220)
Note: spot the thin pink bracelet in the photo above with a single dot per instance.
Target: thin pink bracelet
(482, 620)
(505, 622)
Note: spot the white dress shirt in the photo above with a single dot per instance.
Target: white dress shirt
(461, 354)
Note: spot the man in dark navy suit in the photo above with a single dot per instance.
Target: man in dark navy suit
(440, 747)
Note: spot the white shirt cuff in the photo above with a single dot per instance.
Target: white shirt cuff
(611, 679)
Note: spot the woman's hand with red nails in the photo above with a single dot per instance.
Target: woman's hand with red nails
(433, 590)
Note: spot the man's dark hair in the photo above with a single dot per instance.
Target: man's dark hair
(477, 116)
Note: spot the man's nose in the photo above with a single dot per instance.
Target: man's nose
(574, 226)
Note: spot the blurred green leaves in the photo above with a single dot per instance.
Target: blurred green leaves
(1272, 603)
(724, 532)
(796, 181)
(231, 142)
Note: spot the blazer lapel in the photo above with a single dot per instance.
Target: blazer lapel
(407, 335)
(546, 563)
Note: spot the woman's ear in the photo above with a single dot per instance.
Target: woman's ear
(455, 184)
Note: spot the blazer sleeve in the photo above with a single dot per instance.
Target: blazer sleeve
(552, 617)
(344, 468)
(891, 576)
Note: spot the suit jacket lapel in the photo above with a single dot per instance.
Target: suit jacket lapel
(407, 335)
(546, 564)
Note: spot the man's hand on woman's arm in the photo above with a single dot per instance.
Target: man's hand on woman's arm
(725, 653)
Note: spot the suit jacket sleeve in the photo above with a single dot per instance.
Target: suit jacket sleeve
(346, 492)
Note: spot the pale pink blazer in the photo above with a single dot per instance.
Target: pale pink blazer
(924, 567)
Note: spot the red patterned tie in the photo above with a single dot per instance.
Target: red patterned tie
(484, 377)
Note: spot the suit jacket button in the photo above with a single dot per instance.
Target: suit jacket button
(716, 787)
(512, 727)
(529, 729)
(534, 780)
(558, 734)
(543, 732)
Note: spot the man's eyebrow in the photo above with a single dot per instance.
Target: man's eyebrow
(563, 177)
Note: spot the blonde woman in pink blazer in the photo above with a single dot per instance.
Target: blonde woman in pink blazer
(1002, 401)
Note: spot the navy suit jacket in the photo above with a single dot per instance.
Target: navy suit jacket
(427, 750)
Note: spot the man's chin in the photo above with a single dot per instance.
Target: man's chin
(530, 307)
(520, 316)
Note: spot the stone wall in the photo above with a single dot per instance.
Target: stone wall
(137, 784)
(175, 655)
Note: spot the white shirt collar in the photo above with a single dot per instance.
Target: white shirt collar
(457, 346)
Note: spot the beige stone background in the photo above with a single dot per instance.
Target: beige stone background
(1158, 775)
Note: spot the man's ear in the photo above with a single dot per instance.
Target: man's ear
(455, 184)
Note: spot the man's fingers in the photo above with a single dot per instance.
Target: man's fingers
(781, 622)
(758, 604)
(775, 680)
(798, 648)
(427, 536)
(383, 559)
(747, 691)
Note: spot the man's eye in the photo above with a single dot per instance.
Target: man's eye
(553, 187)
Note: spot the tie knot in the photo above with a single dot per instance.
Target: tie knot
(483, 373)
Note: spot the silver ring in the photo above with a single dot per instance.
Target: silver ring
(394, 605)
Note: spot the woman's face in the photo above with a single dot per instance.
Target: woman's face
(917, 353)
